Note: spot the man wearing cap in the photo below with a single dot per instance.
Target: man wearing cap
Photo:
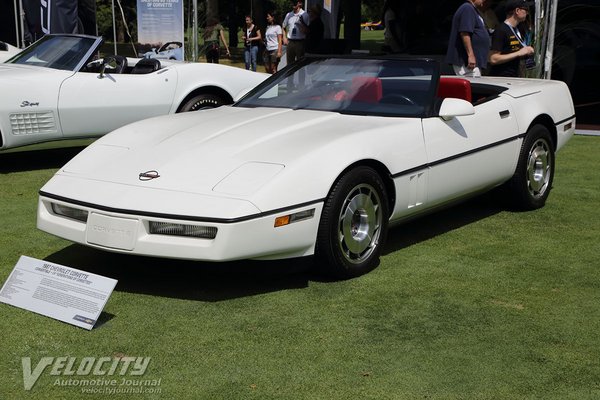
(508, 44)
(469, 40)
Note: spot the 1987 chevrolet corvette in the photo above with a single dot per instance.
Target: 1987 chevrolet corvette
(319, 159)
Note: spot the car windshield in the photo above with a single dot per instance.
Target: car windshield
(170, 46)
(57, 52)
(384, 87)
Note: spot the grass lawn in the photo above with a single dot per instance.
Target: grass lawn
(474, 302)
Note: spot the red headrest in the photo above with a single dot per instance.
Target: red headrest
(367, 89)
(457, 88)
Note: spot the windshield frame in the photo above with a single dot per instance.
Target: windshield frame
(25, 56)
(276, 79)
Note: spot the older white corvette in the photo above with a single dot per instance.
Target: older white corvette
(56, 89)
(319, 159)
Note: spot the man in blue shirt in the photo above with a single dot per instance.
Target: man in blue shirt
(469, 40)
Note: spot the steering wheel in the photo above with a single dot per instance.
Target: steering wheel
(398, 98)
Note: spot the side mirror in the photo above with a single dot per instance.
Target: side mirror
(114, 64)
(109, 62)
(451, 108)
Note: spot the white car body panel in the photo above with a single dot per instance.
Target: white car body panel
(238, 168)
(7, 51)
(462, 135)
(89, 104)
(86, 102)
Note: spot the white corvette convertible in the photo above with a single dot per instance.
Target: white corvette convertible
(55, 89)
(319, 159)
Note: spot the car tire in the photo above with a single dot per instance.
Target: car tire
(202, 101)
(530, 185)
(353, 224)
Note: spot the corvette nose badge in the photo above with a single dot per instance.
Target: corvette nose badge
(148, 175)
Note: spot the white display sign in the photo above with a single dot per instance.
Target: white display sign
(66, 294)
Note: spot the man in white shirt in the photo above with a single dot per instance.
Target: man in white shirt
(293, 34)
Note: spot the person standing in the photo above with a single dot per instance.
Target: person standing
(274, 44)
(252, 38)
(212, 34)
(469, 40)
(509, 46)
(394, 27)
(315, 30)
(294, 35)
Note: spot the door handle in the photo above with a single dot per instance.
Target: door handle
(504, 114)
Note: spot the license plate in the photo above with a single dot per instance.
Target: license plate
(113, 232)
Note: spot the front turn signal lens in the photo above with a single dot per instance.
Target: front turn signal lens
(291, 218)
(282, 221)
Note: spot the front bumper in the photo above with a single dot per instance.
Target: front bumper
(129, 232)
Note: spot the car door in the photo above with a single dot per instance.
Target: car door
(91, 104)
(470, 153)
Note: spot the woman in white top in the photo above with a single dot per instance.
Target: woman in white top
(273, 38)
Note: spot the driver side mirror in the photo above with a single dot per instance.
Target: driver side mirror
(452, 107)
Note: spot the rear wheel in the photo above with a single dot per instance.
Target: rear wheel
(531, 184)
(202, 101)
(353, 224)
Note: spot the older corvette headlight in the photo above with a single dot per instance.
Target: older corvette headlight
(70, 212)
(174, 229)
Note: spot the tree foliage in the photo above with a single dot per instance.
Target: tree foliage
(226, 10)
(371, 10)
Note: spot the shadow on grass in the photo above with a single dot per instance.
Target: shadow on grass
(190, 280)
(203, 281)
(446, 220)
(27, 159)
(103, 319)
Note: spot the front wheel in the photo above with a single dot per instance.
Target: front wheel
(353, 224)
(202, 101)
(532, 181)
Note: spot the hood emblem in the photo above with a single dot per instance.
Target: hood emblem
(148, 175)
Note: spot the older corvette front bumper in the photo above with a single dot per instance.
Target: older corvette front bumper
(130, 232)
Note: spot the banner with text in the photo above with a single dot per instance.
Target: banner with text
(160, 29)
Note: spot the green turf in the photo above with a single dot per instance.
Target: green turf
(474, 302)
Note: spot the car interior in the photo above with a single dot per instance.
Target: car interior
(117, 64)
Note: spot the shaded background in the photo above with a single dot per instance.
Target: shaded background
(577, 39)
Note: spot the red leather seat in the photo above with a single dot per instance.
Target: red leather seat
(367, 89)
(457, 88)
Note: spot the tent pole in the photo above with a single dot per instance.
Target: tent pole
(22, 17)
(550, 43)
(114, 27)
(195, 31)
(17, 23)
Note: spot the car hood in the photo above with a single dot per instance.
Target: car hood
(228, 151)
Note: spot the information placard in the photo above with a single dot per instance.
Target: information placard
(66, 294)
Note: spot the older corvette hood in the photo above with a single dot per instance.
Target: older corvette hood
(227, 151)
